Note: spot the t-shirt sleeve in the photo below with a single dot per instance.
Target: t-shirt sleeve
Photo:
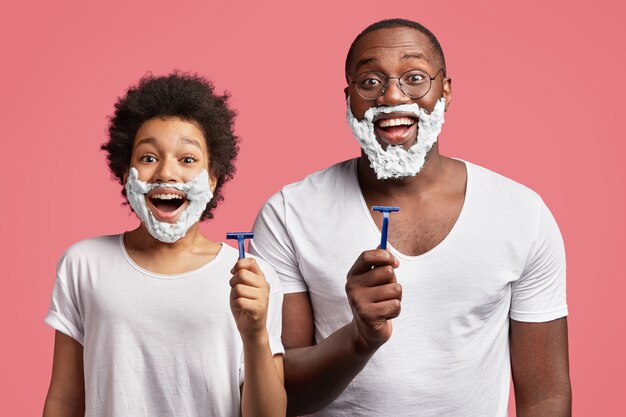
(64, 313)
(539, 294)
(274, 321)
(272, 242)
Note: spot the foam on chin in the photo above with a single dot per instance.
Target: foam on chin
(198, 194)
(396, 162)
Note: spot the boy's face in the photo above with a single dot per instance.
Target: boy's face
(167, 151)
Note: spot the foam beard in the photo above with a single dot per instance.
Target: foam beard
(198, 194)
(397, 162)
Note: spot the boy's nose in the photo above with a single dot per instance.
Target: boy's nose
(167, 171)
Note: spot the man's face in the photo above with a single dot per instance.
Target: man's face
(392, 52)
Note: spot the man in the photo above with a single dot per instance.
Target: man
(476, 261)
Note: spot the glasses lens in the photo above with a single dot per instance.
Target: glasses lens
(415, 83)
(370, 85)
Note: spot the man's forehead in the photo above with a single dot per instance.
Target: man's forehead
(403, 42)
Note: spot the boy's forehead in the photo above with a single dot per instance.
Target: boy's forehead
(170, 132)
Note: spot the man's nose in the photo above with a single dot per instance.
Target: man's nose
(393, 95)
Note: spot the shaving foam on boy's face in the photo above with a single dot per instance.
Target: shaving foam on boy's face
(185, 200)
(395, 161)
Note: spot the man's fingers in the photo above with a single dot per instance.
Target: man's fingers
(384, 310)
(392, 291)
(379, 275)
(372, 258)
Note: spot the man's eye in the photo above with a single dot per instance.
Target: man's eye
(415, 79)
(148, 158)
(370, 83)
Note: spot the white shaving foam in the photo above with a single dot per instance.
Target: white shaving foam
(397, 162)
(198, 194)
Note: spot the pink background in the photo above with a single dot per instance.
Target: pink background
(537, 96)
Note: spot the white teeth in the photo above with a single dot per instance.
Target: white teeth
(396, 122)
(167, 196)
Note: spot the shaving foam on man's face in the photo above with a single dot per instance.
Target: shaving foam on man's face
(395, 161)
(165, 198)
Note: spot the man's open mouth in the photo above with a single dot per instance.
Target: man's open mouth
(395, 129)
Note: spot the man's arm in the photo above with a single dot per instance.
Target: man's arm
(316, 374)
(66, 395)
(540, 366)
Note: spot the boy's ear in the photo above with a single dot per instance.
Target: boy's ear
(213, 183)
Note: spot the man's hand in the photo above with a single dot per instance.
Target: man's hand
(374, 296)
(249, 296)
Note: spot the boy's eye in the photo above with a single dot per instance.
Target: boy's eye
(148, 159)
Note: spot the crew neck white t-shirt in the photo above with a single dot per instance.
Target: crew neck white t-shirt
(449, 351)
(154, 345)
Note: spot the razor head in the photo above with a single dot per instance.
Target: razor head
(239, 235)
(385, 209)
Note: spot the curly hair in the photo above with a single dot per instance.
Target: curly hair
(190, 97)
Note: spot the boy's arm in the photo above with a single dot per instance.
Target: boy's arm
(66, 395)
(263, 392)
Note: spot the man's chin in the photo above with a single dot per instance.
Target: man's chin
(406, 145)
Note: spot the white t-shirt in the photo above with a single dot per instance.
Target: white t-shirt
(154, 345)
(449, 351)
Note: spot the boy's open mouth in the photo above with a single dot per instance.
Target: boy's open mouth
(166, 202)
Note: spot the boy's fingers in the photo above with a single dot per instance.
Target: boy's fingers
(249, 264)
(248, 278)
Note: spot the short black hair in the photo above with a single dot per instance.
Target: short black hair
(189, 97)
(395, 23)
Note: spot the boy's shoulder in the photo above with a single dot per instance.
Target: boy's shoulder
(100, 247)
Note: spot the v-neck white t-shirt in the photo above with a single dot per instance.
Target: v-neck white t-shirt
(449, 351)
(155, 345)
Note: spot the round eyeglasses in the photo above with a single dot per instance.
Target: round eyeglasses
(414, 83)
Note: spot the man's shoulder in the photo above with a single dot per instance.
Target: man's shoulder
(488, 181)
(319, 183)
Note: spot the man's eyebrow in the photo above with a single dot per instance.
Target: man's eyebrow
(416, 55)
(410, 55)
(364, 61)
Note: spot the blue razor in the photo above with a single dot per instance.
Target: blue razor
(385, 210)
(240, 236)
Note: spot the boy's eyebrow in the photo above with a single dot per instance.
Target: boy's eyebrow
(151, 141)
(191, 141)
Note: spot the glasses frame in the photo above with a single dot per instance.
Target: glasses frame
(386, 83)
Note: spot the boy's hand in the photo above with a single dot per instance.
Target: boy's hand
(249, 297)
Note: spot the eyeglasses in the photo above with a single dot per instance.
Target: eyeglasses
(414, 83)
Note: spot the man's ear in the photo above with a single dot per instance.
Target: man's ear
(447, 91)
